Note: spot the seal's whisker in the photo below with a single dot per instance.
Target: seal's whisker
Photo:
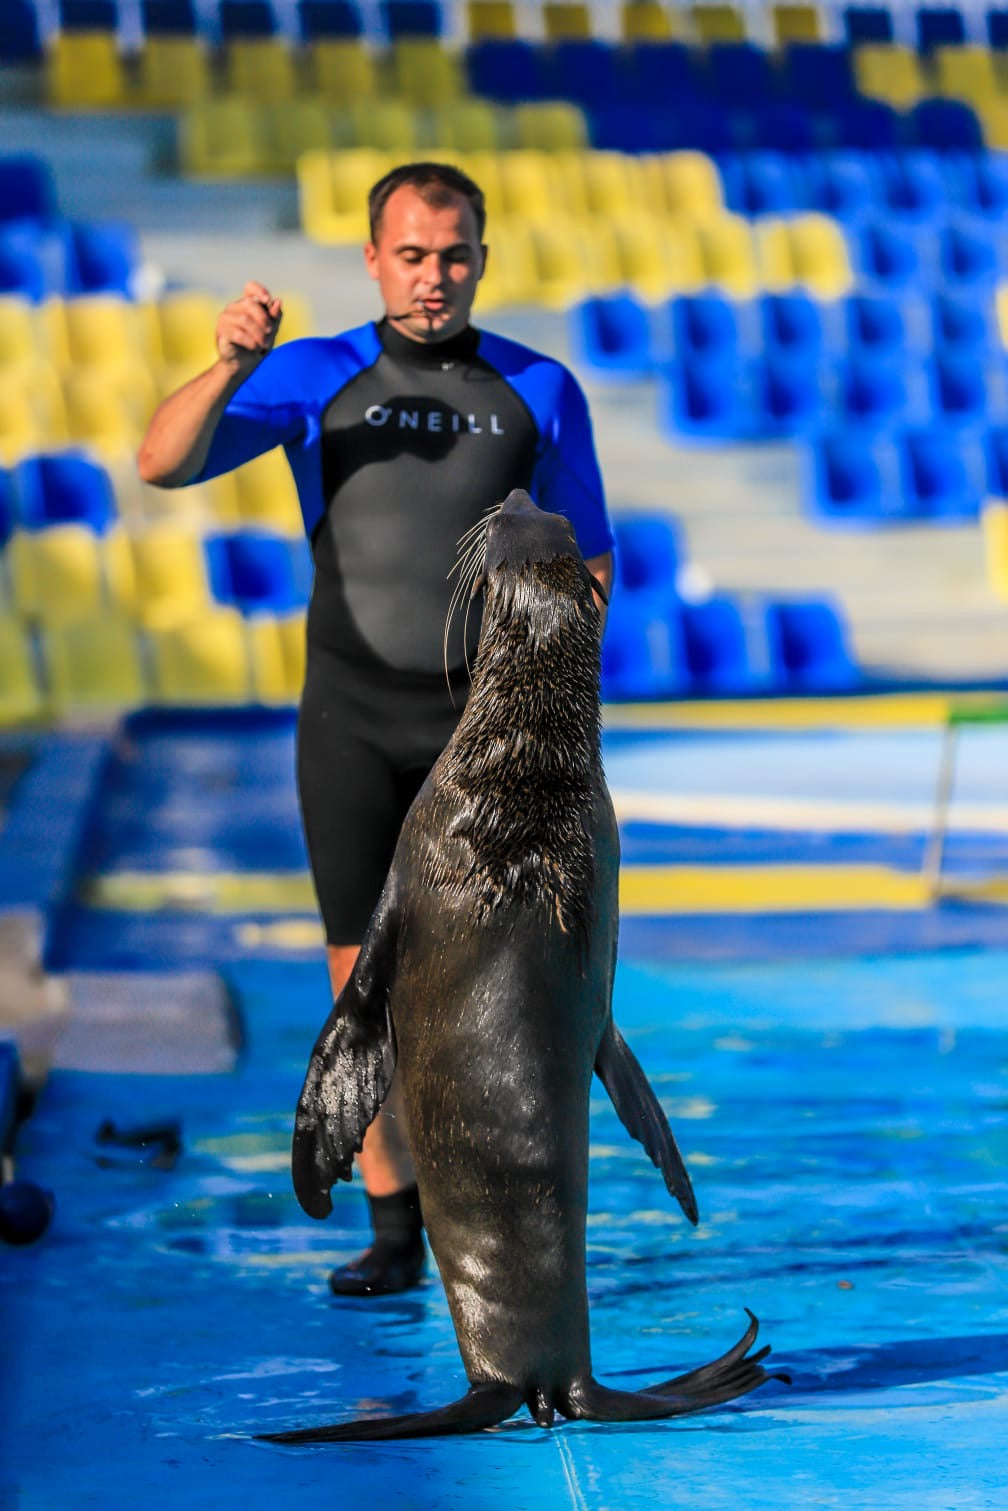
(469, 566)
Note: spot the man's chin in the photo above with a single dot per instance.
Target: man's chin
(432, 325)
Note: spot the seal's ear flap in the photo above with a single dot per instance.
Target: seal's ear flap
(348, 1077)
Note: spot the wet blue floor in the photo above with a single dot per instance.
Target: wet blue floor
(845, 1119)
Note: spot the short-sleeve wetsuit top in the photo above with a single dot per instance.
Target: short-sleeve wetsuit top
(397, 447)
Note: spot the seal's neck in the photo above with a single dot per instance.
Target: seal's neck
(524, 763)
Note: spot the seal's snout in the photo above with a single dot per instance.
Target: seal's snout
(520, 533)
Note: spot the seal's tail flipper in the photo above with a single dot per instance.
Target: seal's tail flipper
(725, 1379)
(641, 1114)
(481, 1406)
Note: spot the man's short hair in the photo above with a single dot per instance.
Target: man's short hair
(434, 182)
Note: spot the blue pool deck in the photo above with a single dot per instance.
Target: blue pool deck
(837, 1078)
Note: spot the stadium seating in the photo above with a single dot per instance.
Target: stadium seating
(809, 649)
(21, 696)
(93, 664)
(203, 660)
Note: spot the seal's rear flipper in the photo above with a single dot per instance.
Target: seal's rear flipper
(349, 1072)
(481, 1406)
(725, 1379)
(641, 1114)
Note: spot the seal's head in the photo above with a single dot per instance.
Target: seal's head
(537, 549)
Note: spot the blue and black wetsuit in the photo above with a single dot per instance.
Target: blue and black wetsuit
(397, 448)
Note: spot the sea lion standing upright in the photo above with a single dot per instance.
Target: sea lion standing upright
(486, 975)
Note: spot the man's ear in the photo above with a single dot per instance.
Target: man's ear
(486, 253)
(371, 259)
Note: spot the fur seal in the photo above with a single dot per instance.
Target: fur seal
(486, 975)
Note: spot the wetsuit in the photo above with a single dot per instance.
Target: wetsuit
(397, 448)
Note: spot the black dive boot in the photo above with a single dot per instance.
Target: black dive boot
(395, 1261)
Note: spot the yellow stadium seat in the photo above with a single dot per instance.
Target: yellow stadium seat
(277, 656)
(718, 23)
(224, 138)
(574, 258)
(528, 185)
(291, 127)
(172, 72)
(333, 189)
(260, 68)
(169, 576)
(964, 73)
(267, 494)
(729, 257)
(994, 525)
(819, 256)
(467, 126)
(202, 661)
(92, 665)
(684, 184)
(20, 695)
(648, 21)
(104, 414)
(796, 23)
(83, 70)
(56, 574)
(19, 345)
(187, 322)
(342, 71)
(490, 18)
(886, 71)
(32, 413)
(564, 19)
(386, 125)
(550, 126)
(601, 183)
(424, 72)
(658, 256)
(511, 275)
(105, 330)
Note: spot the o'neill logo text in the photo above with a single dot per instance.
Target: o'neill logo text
(436, 421)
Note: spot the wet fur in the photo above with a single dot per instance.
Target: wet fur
(487, 973)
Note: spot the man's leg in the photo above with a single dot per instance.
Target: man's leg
(395, 1261)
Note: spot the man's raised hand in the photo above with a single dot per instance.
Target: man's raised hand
(247, 328)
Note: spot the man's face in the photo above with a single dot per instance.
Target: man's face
(427, 260)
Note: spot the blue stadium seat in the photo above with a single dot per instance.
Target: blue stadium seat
(808, 642)
(996, 461)
(776, 126)
(843, 184)
(643, 653)
(27, 189)
(168, 18)
(64, 488)
(739, 73)
(979, 184)
(662, 73)
(255, 571)
(761, 183)
(817, 73)
(787, 399)
(959, 388)
(889, 255)
(945, 126)
(704, 326)
(648, 554)
(939, 26)
(866, 125)
(635, 128)
(612, 334)
(962, 326)
(850, 478)
(246, 18)
(997, 28)
(411, 18)
(107, 258)
(717, 650)
(875, 392)
(88, 15)
(21, 271)
(942, 477)
(708, 400)
(508, 69)
(37, 261)
(969, 257)
(875, 326)
(867, 23)
(792, 326)
(329, 18)
(20, 38)
(587, 70)
(913, 187)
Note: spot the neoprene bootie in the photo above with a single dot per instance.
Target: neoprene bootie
(396, 1260)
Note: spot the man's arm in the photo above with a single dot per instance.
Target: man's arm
(180, 433)
(601, 568)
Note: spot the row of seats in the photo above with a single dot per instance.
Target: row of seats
(911, 186)
(931, 474)
(108, 663)
(91, 371)
(618, 336)
(927, 27)
(662, 644)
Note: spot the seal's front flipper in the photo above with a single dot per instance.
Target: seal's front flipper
(481, 1406)
(641, 1114)
(348, 1074)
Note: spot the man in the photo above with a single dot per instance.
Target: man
(400, 436)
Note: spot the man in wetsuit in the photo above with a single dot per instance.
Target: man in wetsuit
(400, 434)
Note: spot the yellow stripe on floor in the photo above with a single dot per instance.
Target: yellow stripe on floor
(673, 890)
(871, 711)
